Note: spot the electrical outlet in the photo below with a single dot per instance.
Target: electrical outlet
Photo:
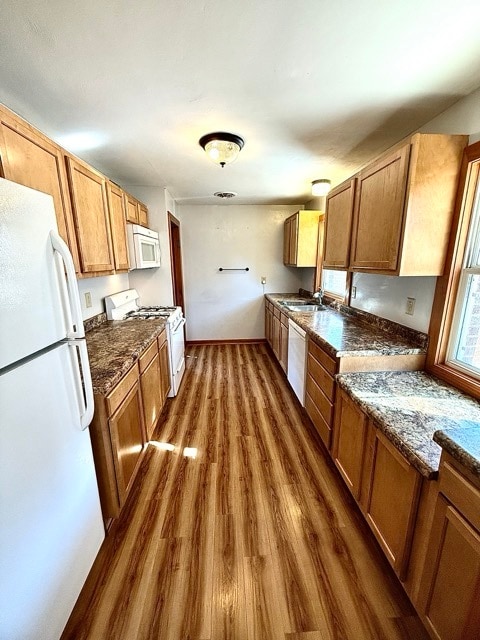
(410, 308)
(264, 280)
(88, 299)
(354, 292)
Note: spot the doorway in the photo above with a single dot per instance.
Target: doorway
(176, 261)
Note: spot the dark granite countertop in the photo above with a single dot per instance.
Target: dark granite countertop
(410, 406)
(114, 346)
(355, 333)
(463, 445)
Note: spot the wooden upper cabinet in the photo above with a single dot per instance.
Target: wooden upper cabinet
(381, 191)
(29, 158)
(404, 207)
(88, 192)
(131, 209)
(301, 239)
(142, 214)
(338, 225)
(116, 206)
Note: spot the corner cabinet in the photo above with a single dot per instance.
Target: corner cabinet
(88, 190)
(301, 239)
(402, 206)
(30, 158)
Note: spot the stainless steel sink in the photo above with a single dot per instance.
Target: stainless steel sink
(305, 307)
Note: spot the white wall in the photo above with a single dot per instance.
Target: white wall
(98, 289)
(155, 285)
(229, 305)
(386, 295)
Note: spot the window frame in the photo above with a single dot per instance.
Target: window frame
(447, 289)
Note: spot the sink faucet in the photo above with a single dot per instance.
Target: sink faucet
(318, 295)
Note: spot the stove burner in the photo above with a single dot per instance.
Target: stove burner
(158, 308)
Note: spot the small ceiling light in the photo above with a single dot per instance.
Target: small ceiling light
(321, 187)
(225, 194)
(222, 148)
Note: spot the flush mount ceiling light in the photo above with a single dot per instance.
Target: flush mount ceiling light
(321, 187)
(221, 147)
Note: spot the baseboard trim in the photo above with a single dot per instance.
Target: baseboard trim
(191, 343)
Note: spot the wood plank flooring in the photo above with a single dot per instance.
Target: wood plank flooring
(254, 539)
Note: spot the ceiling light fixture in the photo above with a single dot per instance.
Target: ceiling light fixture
(321, 187)
(221, 147)
(225, 194)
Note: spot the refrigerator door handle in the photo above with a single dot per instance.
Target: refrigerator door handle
(73, 309)
(83, 382)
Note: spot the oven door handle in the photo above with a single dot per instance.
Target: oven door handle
(179, 324)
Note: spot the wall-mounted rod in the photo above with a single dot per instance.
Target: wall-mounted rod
(237, 269)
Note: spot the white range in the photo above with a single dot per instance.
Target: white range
(124, 306)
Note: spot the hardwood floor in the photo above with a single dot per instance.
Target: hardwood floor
(254, 539)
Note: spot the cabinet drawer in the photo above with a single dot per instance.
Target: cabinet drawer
(324, 430)
(319, 354)
(320, 400)
(115, 398)
(284, 319)
(277, 313)
(147, 356)
(460, 492)
(321, 377)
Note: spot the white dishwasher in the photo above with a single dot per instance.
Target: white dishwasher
(297, 357)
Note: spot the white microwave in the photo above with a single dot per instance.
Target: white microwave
(143, 247)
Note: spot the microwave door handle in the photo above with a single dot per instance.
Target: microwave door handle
(72, 306)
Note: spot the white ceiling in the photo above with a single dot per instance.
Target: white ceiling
(315, 87)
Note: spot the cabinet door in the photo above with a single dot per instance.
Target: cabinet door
(392, 500)
(142, 214)
(276, 336)
(338, 226)
(379, 207)
(151, 395)
(29, 159)
(267, 323)
(164, 370)
(286, 241)
(126, 432)
(116, 206)
(131, 208)
(450, 589)
(293, 240)
(90, 208)
(349, 438)
(283, 345)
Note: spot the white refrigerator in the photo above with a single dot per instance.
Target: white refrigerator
(51, 524)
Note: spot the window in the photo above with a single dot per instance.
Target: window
(334, 283)
(454, 352)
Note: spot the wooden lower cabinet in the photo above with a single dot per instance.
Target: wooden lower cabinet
(390, 496)
(164, 363)
(320, 390)
(276, 333)
(350, 437)
(124, 421)
(449, 596)
(283, 342)
(151, 388)
(128, 441)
